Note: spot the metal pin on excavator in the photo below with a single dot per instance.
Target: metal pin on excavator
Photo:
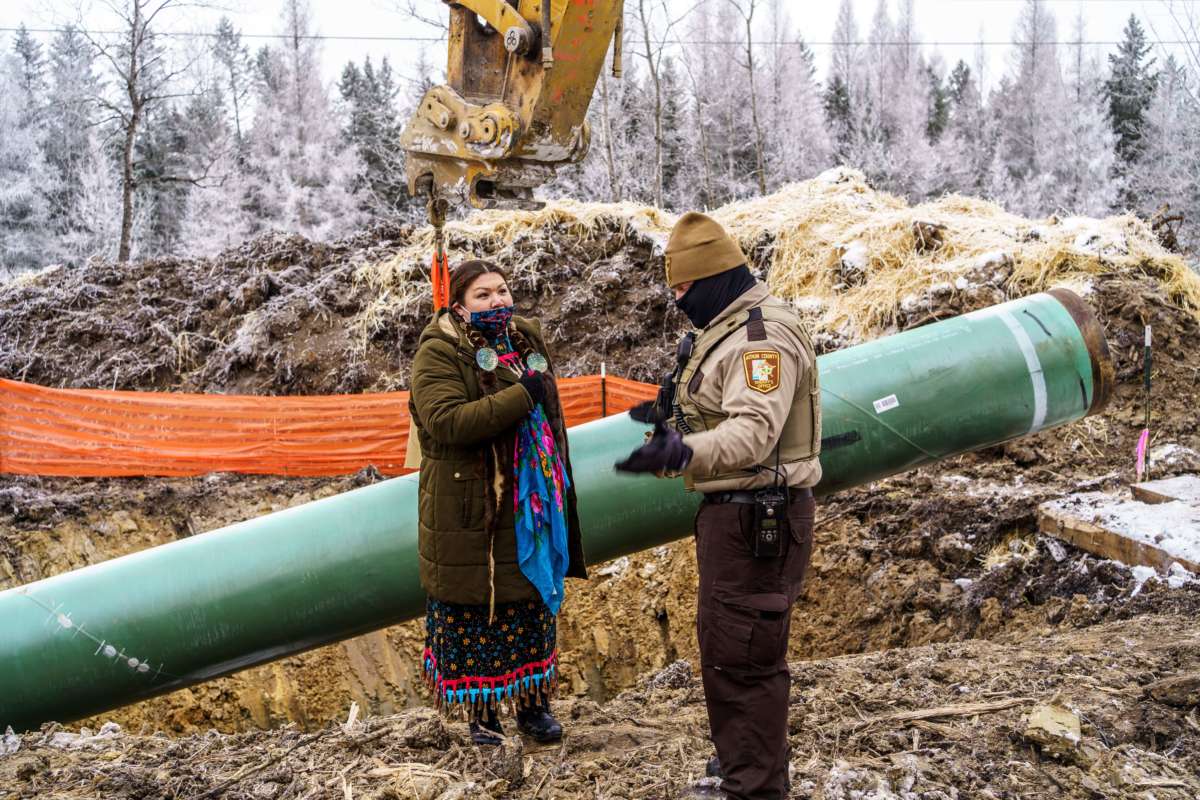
(520, 76)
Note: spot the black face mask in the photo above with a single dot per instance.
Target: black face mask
(709, 296)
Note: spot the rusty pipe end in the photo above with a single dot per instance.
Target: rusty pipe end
(1103, 372)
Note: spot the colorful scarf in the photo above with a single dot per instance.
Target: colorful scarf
(539, 499)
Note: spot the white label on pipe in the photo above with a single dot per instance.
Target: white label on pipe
(886, 404)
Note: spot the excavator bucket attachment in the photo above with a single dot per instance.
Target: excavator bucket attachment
(515, 100)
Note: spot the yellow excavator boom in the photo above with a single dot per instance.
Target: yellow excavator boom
(514, 103)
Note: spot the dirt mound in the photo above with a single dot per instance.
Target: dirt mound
(282, 315)
(941, 721)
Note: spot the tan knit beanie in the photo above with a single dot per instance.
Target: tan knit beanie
(698, 248)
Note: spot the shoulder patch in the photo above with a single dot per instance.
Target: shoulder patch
(762, 370)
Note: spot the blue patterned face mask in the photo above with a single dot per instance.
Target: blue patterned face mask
(492, 322)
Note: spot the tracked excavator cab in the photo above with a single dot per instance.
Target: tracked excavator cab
(519, 79)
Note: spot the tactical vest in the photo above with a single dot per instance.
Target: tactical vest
(800, 439)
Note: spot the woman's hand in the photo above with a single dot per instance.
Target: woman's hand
(535, 386)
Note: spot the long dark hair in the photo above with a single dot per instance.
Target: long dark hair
(465, 274)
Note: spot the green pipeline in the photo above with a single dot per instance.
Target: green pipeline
(111, 634)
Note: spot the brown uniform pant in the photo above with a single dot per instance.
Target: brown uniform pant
(743, 617)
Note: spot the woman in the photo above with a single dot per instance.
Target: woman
(498, 523)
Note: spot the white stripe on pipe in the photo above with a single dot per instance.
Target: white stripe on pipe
(1035, 369)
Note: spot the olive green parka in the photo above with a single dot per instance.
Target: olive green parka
(466, 437)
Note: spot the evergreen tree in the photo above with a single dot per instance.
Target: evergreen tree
(938, 118)
(674, 176)
(964, 149)
(800, 144)
(839, 115)
(213, 219)
(1130, 89)
(300, 169)
(1032, 129)
(81, 170)
(236, 67)
(1169, 170)
(24, 211)
(1087, 171)
(373, 129)
(31, 73)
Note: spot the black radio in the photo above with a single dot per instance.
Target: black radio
(770, 521)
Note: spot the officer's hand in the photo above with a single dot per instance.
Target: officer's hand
(646, 413)
(665, 452)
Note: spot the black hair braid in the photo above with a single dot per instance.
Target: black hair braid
(524, 348)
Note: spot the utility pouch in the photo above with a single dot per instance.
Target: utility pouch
(770, 521)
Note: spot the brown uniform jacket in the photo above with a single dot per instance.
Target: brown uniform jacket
(747, 438)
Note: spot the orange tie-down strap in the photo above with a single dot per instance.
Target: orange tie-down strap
(96, 433)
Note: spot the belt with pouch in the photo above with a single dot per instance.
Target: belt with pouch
(748, 497)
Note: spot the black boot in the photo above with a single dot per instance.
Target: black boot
(487, 731)
(538, 723)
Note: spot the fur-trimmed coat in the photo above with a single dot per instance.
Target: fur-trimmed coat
(466, 421)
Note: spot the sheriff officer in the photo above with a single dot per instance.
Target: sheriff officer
(740, 419)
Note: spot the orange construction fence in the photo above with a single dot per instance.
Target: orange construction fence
(96, 433)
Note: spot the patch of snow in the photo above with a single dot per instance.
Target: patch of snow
(1172, 527)
(1093, 238)
(964, 583)
(839, 175)
(1140, 576)
(85, 738)
(9, 743)
(615, 568)
(808, 304)
(1057, 551)
(854, 255)
(962, 284)
(974, 488)
(1174, 456)
(1178, 577)
(1182, 487)
(1080, 286)
(993, 259)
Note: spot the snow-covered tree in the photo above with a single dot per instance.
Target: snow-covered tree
(1130, 90)
(31, 73)
(798, 141)
(81, 170)
(964, 150)
(24, 211)
(213, 218)
(301, 171)
(1169, 170)
(1088, 172)
(1029, 115)
(236, 73)
(373, 128)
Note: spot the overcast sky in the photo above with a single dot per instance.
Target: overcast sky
(952, 25)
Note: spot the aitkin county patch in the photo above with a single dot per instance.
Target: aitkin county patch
(762, 370)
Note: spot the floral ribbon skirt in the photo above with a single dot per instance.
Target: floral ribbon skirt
(471, 665)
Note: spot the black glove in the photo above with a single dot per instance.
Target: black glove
(536, 388)
(665, 452)
(646, 413)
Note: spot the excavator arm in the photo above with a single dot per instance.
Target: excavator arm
(519, 79)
